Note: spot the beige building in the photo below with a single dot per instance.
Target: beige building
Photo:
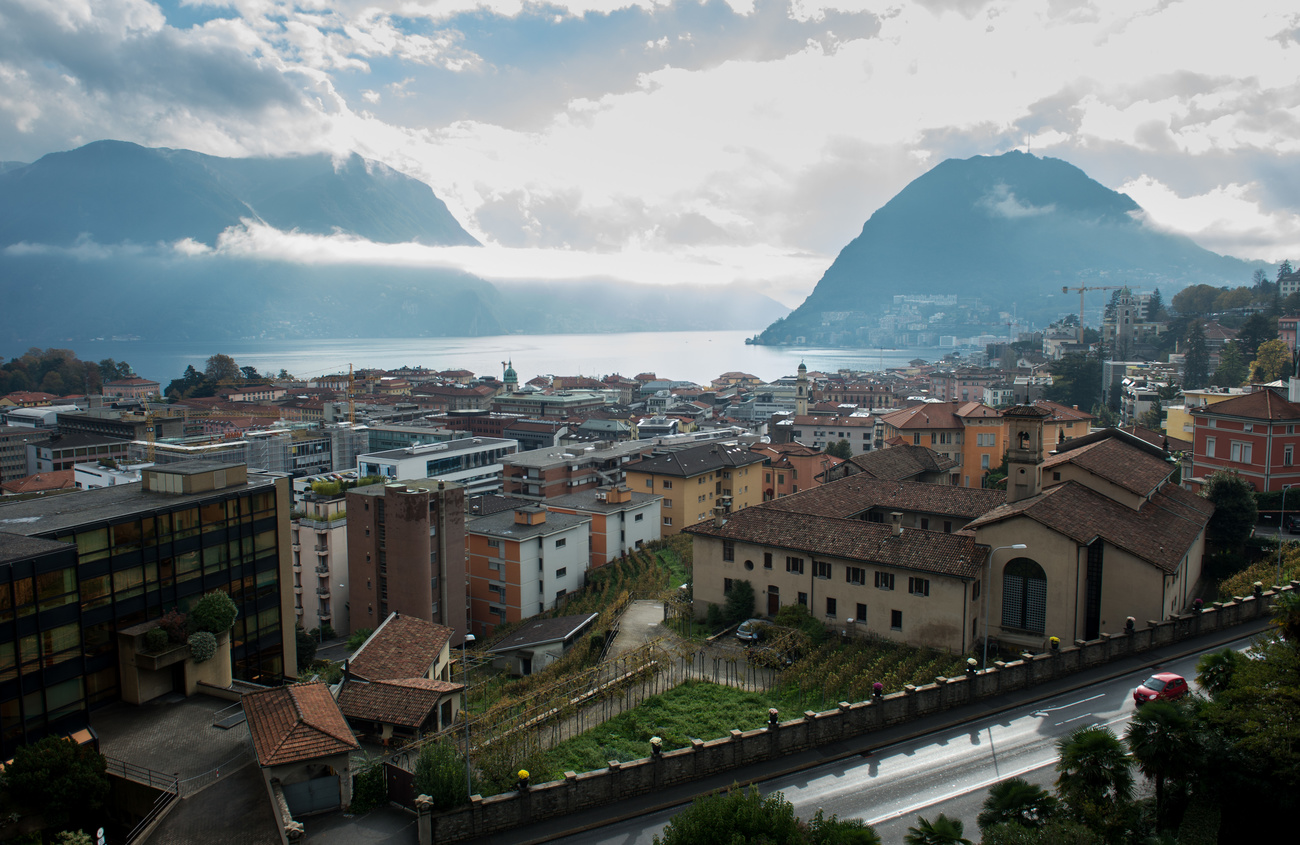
(694, 481)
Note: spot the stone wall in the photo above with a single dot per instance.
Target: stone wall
(621, 780)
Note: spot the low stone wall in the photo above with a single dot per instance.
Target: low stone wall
(621, 780)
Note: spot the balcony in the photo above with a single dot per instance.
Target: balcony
(321, 550)
(297, 568)
(323, 571)
(324, 617)
(323, 592)
(297, 590)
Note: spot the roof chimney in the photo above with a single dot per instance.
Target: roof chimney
(896, 523)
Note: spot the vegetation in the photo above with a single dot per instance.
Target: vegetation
(1235, 511)
(840, 449)
(369, 790)
(60, 372)
(358, 637)
(306, 647)
(63, 782)
(1272, 362)
(203, 645)
(1234, 366)
(834, 672)
(742, 816)
(1019, 802)
(941, 831)
(1076, 380)
(214, 613)
(740, 603)
(440, 774)
(156, 639)
(175, 624)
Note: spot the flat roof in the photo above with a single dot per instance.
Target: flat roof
(550, 455)
(52, 514)
(18, 546)
(431, 450)
(378, 488)
(586, 500)
(503, 525)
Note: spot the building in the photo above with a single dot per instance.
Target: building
(132, 388)
(540, 643)
(406, 553)
(621, 520)
(119, 423)
(560, 470)
(522, 561)
(1254, 435)
(858, 430)
(932, 424)
(1107, 535)
(472, 462)
(76, 578)
(983, 443)
(319, 539)
(42, 482)
(1178, 418)
(695, 480)
(90, 475)
(65, 451)
(903, 462)
(559, 405)
(13, 450)
(792, 467)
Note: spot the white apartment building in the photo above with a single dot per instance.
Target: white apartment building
(319, 540)
(472, 462)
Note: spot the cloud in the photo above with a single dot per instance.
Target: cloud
(1002, 202)
(1223, 219)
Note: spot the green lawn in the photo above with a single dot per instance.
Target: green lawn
(696, 709)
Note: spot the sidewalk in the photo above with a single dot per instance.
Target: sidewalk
(545, 831)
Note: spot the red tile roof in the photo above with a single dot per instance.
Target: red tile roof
(856, 494)
(42, 482)
(851, 539)
(407, 702)
(1118, 463)
(1263, 405)
(296, 723)
(927, 416)
(901, 461)
(402, 647)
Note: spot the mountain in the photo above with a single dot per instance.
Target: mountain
(115, 192)
(1010, 230)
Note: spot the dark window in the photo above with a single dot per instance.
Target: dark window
(803, 599)
(561, 572)
(862, 613)
(855, 575)
(726, 585)
(830, 607)
(821, 569)
(884, 580)
(794, 564)
(918, 586)
(975, 591)
(728, 550)
(767, 560)
(925, 523)
(749, 565)
(1024, 596)
(559, 544)
(896, 620)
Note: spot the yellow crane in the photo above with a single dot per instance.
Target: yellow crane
(1081, 290)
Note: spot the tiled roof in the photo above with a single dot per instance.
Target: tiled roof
(977, 410)
(927, 416)
(855, 494)
(1263, 405)
(901, 462)
(1160, 532)
(1118, 463)
(402, 647)
(294, 724)
(851, 539)
(688, 463)
(540, 631)
(1158, 439)
(407, 702)
(1061, 413)
(63, 479)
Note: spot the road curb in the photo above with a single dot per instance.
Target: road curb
(1256, 625)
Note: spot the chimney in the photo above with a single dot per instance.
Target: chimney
(896, 523)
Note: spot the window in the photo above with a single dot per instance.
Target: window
(925, 523)
(1209, 447)
(668, 503)
(821, 569)
(1024, 596)
(561, 572)
(749, 565)
(862, 613)
(896, 620)
(884, 580)
(984, 461)
(1241, 452)
(1288, 453)
(947, 526)
(727, 584)
(668, 520)
(767, 560)
(975, 591)
(728, 550)
(650, 482)
(638, 517)
(561, 543)
(918, 586)
(668, 485)
(830, 607)
(803, 599)
(794, 564)
(855, 575)
(494, 544)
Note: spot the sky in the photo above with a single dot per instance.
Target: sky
(726, 141)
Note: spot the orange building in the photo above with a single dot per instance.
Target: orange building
(621, 520)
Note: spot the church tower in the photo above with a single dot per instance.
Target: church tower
(801, 392)
(1024, 451)
(511, 378)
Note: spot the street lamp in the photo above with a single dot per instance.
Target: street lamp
(987, 588)
(1280, 525)
(464, 709)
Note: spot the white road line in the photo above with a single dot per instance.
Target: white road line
(964, 791)
(1047, 710)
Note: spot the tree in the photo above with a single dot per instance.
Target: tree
(1214, 671)
(1056, 832)
(1283, 269)
(740, 602)
(1154, 417)
(249, 374)
(735, 817)
(837, 831)
(221, 368)
(1094, 775)
(1257, 329)
(941, 831)
(841, 449)
(1286, 617)
(306, 647)
(1076, 380)
(1233, 366)
(1155, 306)
(214, 613)
(1196, 362)
(1197, 300)
(1272, 362)
(62, 781)
(359, 636)
(440, 774)
(1235, 511)
(1019, 801)
(1160, 738)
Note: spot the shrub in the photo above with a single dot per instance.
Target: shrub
(740, 602)
(203, 645)
(174, 623)
(440, 774)
(714, 618)
(737, 815)
(358, 637)
(214, 613)
(369, 789)
(306, 647)
(327, 631)
(156, 639)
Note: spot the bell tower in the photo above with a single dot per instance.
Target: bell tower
(1024, 451)
(801, 391)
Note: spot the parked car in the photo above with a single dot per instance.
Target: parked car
(751, 630)
(1293, 524)
(1164, 686)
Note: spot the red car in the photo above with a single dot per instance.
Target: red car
(1163, 686)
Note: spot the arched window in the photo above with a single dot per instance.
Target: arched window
(1024, 596)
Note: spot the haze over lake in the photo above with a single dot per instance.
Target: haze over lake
(686, 356)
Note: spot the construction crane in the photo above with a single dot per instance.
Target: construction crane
(1081, 290)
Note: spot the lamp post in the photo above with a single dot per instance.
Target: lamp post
(464, 709)
(987, 588)
(1281, 524)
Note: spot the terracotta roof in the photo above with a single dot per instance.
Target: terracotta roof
(402, 647)
(64, 479)
(1118, 463)
(1061, 413)
(977, 410)
(851, 496)
(296, 723)
(1160, 532)
(1159, 439)
(851, 539)
(901, 461)
(407, 702)
(927, 416)
(1263, 405)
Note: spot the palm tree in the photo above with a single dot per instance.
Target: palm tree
(942, 831)
(1093, 772)
(1286, 615)
(1162, 742)
(1214, 671)
(1019, 801)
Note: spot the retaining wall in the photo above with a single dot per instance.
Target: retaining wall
(621, 780)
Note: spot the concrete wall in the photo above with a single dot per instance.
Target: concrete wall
(577, 792)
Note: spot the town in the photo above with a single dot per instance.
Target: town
(367, 563)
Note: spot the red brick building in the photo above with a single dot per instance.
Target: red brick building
(1257, 435)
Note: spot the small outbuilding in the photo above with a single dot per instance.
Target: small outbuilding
(540, 642)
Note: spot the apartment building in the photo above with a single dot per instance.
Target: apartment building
(621, 520)
(472, 462)
(560, 470)
(319, 543)
(695, 480)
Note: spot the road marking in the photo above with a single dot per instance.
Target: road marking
(1073, 719)
(1044, 711)
(958, 793)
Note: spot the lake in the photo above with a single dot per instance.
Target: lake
(686, 356)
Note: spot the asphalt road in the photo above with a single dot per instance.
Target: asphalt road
(946, 771)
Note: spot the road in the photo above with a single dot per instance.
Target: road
(948, 771)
